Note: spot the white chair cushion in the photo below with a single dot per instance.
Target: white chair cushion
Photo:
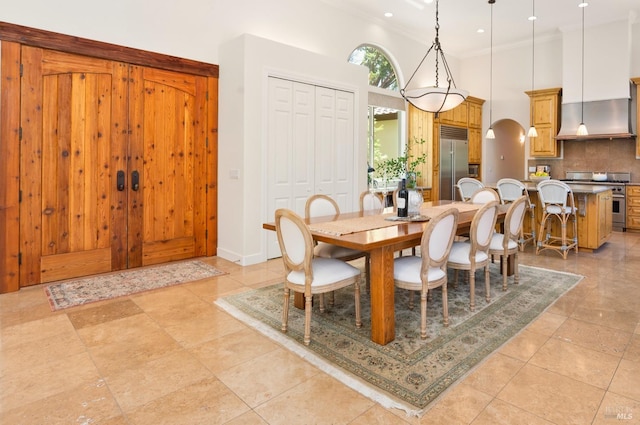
(327, 250)
(407, 269)
(460, 253)
(326, 271)
(498, 239)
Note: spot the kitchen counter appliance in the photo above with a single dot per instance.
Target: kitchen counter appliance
(617, 181)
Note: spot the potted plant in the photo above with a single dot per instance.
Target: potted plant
(405, 166)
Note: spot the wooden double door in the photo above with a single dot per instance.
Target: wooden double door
(112, 165)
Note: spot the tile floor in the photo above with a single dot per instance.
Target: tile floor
(172, 357)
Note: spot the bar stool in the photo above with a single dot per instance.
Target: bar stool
(467, 186)
(556, 199)
(510, 190)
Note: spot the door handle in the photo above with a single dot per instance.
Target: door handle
(120, 180)
(135, 180)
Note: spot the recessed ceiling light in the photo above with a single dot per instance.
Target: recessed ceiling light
(428, 1)
(480, 30)
(388, 14)
(583, 4)
(532, 18)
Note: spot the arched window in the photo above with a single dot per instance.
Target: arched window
(386, 111)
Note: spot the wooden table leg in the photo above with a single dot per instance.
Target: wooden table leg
(383, 321)
(510, 264)
(298, 300)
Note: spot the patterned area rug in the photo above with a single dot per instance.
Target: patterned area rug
(75, 292)
(408, 373)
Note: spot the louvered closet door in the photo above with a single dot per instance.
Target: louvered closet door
(86, 121)
(73, 120)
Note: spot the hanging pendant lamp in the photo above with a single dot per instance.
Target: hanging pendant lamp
(490, 134)
(582, 129)
(435, 98)
(532, 130)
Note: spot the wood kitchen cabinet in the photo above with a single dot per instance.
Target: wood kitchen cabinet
(117, 159)
(633, 207)
(458, 116)
(475, 129)
(636, 81)
(545, 109)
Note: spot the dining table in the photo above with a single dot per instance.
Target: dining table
(382, 234)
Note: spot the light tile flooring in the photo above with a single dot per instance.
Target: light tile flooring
(172, 357)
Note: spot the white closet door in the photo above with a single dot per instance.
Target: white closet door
(310, 148)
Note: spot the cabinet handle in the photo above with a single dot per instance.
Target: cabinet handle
(135, 180)
(120, 181)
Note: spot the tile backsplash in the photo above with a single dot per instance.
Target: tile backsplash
(594, 155)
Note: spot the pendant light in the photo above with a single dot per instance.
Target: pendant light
(582, 129)
(490, 133)
(435, 98)
(532, 130)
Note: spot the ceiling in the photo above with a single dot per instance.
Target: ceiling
(461, 19)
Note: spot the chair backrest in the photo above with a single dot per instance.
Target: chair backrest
(295, 240)
(370, 201)
(320, 205)
(513, 220)
(482, 227)
(510, 189)
(467, 186)
(554, 192)
(484, 195)
(437, 240)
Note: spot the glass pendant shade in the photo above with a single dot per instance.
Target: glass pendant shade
(490, 134)
(582, 130)
(435, 99)
(532, 132)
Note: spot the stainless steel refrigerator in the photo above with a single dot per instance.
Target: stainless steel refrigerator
(454, 160)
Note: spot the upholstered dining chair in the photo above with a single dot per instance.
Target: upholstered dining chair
(473, 254)
(510, 190)
(322, 205)
(484, 195)
(429, 271)
(371, 201)
(556, 199)
(467, 186)
(506, 244)
(307, 274)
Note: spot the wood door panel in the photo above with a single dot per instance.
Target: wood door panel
(168, 250)
(73, 264)
(168, 150)
(73, 148)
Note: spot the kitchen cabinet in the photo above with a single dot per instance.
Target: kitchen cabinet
(633, 207)
(545, 110)
(636, 81)
(117, 160)
(424, 125)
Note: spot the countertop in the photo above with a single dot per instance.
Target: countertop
(580, 188)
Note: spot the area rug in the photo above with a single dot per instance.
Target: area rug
(408, 373)
(75, 292)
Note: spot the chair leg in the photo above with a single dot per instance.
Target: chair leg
(423, 314)
(357, 301)
(472, 290)
(308, 305)
(505, 261)
(487, 284)
(445, 305)
(410, 300)
(285, 310)
(516, 273)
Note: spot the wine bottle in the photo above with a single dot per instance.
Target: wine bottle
(403, 199)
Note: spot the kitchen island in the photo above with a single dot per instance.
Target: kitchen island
(594, 204)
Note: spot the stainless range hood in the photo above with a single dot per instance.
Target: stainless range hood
(605, 119)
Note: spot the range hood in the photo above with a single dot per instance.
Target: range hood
(605, 119)
(609, 98)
